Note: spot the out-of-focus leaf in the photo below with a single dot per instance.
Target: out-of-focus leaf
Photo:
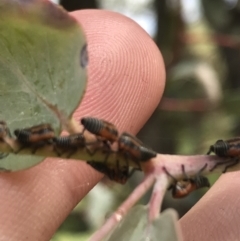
(218, 13)
(67, 236)
(42, 67)
(199, 79)
(135, 227)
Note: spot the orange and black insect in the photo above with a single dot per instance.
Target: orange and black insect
(182, 188)
(228, 148)
(71, 143)
(4, 133)
(101, 128)
(106, 132)
(35, 136)
(128, 145)
(118, 174)
(133, 148)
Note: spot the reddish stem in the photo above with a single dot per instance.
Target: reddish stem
(155, 203)
(117, 216)
(154, 173)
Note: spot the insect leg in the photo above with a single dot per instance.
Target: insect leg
(71, 152)
(186, 178)
(210, 150)
(39, 145)
(216, 165)
(84, 129)
(132, 172)
(173, 185)
(201, 181)
(202, 169)
(35, 148)
(127, 156)
(91, 153)
(234, 162)
(56, 150)
(20, 149)
(170, 175)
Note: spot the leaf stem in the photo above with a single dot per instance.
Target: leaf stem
(117, 216)
(154, 174)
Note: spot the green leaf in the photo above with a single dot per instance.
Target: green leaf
(42, 68)
(68, 236)
(135, 226)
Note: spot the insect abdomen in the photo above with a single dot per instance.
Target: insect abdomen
(74, 140)
(35, 134)
(120, 174)
(22, 135)
(181, 190)
(147, 154)
(130, 144)
(201, 181)
(100, 128)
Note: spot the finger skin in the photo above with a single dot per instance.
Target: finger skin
(126, 81)
(216, 216)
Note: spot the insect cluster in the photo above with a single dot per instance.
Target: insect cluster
(128, 146)
(106, 135)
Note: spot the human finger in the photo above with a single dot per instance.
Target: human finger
(216, 216)
(125, 83)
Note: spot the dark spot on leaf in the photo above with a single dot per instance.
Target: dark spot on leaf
(84, 56)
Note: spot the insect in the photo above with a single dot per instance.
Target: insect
(118, 174)
(229, 148)
(71, 142)
(101, 128)
(128, 145)
(132, 147)
(4, 133)
(35, 136)
(106, 133)
(184, 187)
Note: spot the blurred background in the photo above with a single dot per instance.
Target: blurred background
(200, 43)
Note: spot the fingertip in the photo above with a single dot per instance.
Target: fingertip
(126, 70)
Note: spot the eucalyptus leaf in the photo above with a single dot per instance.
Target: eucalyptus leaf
(42, 68)
(135, 226)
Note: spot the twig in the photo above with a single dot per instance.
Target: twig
(117, 216)
(155, 175)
